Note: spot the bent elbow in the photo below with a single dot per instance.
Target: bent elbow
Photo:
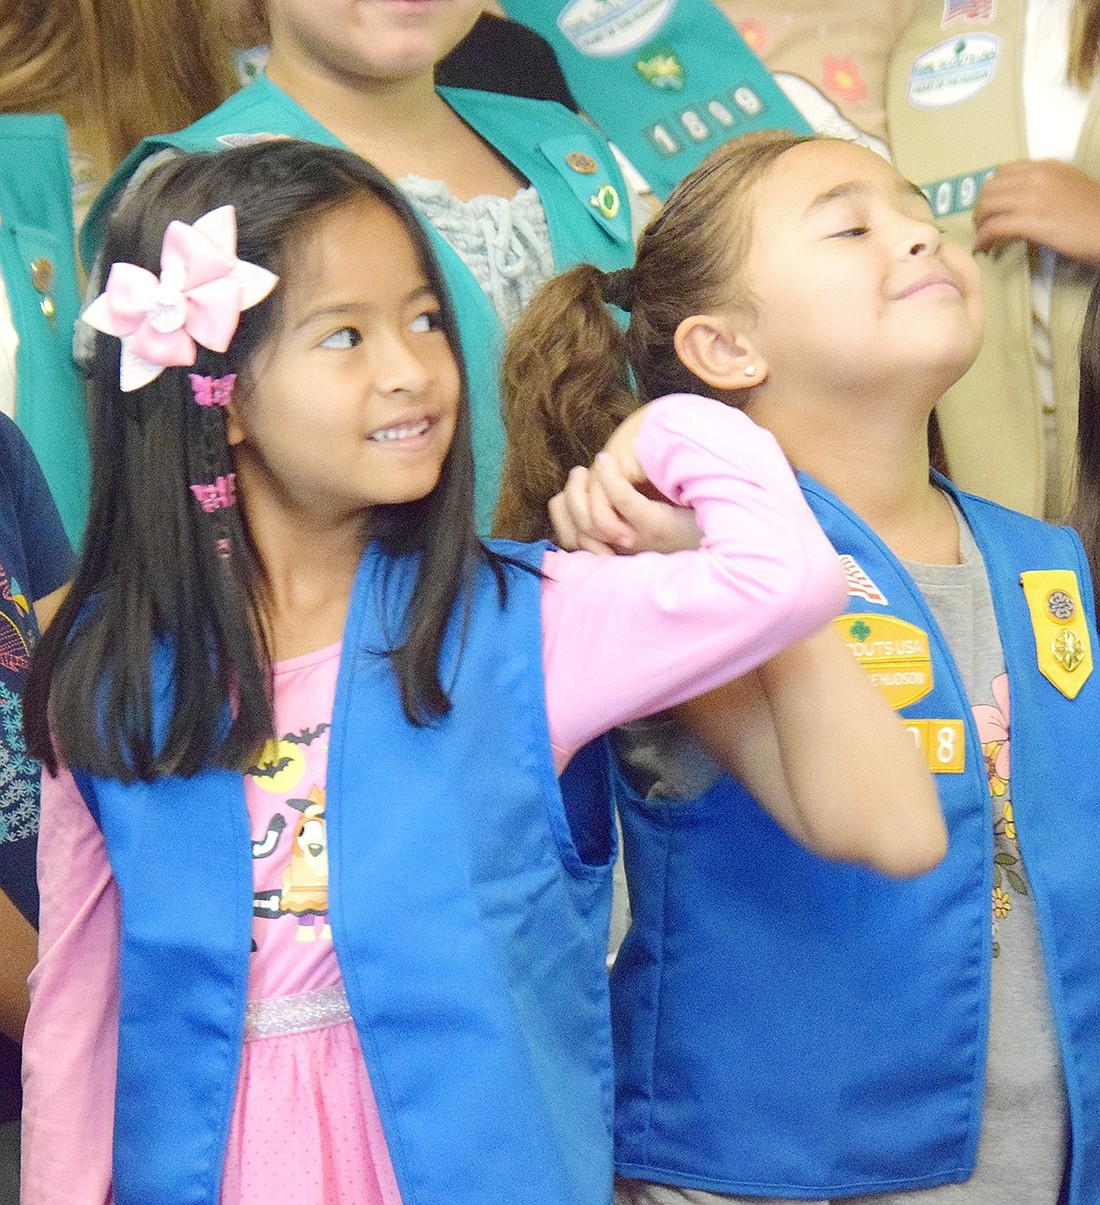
(905, 847)
(911, 850)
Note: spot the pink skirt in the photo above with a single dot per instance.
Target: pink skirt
(305, 1128)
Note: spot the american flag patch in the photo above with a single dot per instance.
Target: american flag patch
(967, 10)
(859, 584)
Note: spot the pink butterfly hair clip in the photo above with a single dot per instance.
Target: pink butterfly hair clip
(197, 300)
(212, 391)
(220, 494)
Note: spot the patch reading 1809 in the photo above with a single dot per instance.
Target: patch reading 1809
(893, 653)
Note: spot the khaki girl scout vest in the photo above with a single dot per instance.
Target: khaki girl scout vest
(955, 111)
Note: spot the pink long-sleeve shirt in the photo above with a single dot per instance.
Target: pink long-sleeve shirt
(622, 637)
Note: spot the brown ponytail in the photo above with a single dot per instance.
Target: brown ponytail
(568, 367)
(565, 388)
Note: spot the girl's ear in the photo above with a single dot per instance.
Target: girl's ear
(720, 355)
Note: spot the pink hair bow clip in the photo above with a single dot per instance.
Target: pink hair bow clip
(197, 299)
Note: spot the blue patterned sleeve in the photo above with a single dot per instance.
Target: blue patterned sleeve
(46, 551)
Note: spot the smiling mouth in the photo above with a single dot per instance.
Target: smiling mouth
(406, 431)
(932, 286)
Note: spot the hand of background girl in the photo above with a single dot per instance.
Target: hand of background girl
(19, 944)
(1044, 201)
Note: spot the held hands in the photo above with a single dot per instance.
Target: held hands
(1042, 201)
(602, 510)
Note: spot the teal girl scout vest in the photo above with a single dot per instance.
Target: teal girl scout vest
(668, 81)
(787, 1026)
(565, 160)
(471, 937)
(38, 265)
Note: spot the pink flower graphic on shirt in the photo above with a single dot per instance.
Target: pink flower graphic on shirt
(992, 722)
(755, 35)
(842, 77)
(993, 732)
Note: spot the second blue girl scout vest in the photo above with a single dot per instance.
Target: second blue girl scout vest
(787, 1026)
(471, 937)
(567, 162)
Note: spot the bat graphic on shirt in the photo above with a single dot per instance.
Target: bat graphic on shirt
(269, 769)
(305, 736)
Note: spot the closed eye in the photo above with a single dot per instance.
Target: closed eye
(343, 339)
(851, 232)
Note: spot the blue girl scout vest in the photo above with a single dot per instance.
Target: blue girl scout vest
(568, 163)
(788, 1026)
(471, 937)
(38, 265)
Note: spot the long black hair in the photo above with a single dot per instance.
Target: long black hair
(159, 578)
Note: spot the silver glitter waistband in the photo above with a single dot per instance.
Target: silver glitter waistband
(296, 1014)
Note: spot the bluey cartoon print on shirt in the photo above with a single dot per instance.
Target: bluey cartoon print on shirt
(305, 880)
(290, 855)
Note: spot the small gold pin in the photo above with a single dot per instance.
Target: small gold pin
(606, 200)
(1068, 650)
(42, 274)
(580, 162)
(42, 278)
(1060, 606)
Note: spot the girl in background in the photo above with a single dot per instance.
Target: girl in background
(306, 713)
(932, 1040)
(35, 564)
(80, 85)
(994, 110)
(512, 189)
(115, 72)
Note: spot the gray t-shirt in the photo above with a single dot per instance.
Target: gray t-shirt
(1021, 1155)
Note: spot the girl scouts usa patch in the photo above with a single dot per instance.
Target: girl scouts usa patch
(953, 71)
(606, 27)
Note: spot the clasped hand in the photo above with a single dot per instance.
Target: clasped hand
(605, 509)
